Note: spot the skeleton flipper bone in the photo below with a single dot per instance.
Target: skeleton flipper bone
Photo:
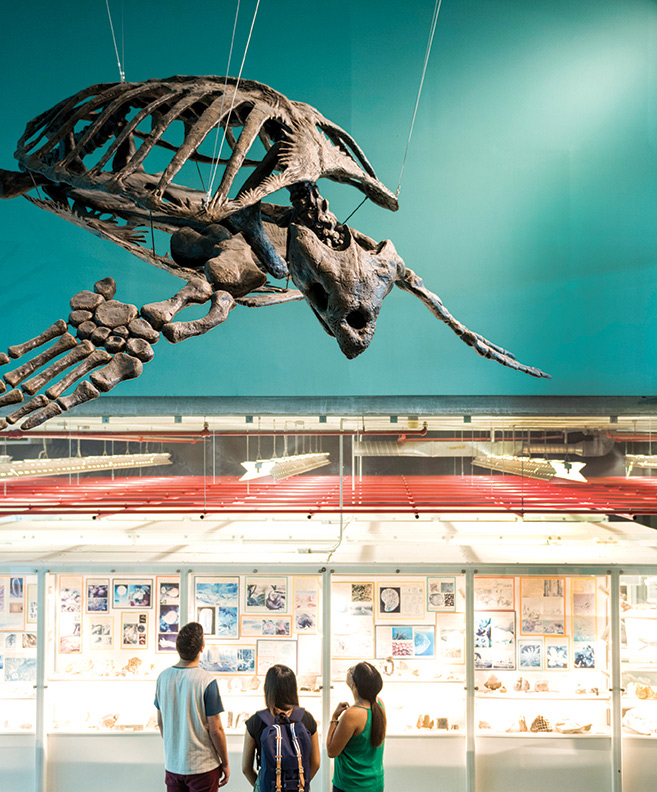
(410, 282)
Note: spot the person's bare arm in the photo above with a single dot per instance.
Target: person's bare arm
(314, 755)
(348, 723)
(159, 723)
(218, 737)
(248, 759)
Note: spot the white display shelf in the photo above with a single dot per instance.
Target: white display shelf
(541, 735)
(535, 696)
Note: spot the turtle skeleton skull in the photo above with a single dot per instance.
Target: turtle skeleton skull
(106, 158)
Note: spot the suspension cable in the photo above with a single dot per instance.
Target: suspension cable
(116, 49)
(432, 32)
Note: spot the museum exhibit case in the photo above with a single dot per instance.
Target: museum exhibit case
(490, 672)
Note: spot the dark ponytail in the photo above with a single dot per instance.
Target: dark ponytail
(368, 683)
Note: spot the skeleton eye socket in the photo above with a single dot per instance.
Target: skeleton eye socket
(356, 319)
(318, 296)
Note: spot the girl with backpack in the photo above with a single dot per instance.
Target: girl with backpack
(356, 734)
(281, 746)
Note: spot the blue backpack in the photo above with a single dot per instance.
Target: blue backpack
(285, 746)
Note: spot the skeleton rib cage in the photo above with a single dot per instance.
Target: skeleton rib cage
(300, 144)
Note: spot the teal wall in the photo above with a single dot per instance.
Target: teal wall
(528, 203)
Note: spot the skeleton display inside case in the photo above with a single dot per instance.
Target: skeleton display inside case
(252, 622)
(18, 644)
(412, 628)
(542, 654)
(638, 622)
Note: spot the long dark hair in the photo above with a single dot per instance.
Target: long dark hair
(281, 688)
(368, 684)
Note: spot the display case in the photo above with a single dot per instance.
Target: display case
(412, 628)
(638, 656)
(18, 650)
(542, 678)
(490, 675)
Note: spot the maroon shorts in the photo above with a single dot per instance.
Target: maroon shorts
(199, 782)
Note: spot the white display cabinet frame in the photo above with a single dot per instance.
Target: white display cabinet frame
(66, 761)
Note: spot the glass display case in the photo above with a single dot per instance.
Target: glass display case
(538, 692)
(638, 656)
(413, 629)
(542, 655)
(18, 645)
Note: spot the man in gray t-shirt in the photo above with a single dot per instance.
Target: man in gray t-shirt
(188, 715)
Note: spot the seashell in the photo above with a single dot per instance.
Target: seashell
(493, 683)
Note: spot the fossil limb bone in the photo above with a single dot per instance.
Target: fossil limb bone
(99, 357)
(37, 403)
(17, 376)
(158, 314)
(78, 353)
(122, 367)
(83, 393)
(55, 330)
(13, 397)
(221, 305)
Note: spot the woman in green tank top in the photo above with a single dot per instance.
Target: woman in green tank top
(356, 734)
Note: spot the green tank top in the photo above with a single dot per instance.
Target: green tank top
(359, 768)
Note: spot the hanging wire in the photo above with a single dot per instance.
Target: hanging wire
(427, 53)
(116, 49)
(215, 165)
(232, 102)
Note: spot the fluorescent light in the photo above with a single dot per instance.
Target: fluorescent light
(35, 468)
(533, 467)
(284, 467)
(640, 461)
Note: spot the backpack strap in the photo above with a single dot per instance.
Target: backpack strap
(295, 743)
(296, 716)
(266, 717)
(279, 757)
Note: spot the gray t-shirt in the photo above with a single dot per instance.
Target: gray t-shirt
(186, 697)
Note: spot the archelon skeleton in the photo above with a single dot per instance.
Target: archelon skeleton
(86, 159)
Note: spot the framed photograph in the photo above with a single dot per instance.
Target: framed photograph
(265, 626)
(166, 642)
(305, 605)
(494, 593)
(97, 595)
(450, 638)
(217, 601)
(530, 654)
(168, 590)
(400, 600)
(265, 594)
(20, 669)
(556, 654)
(543, 606)
(410, 641)
(29, 641)
(101, 632)
(31, 607)
(441, 594)
(12, 604)
(134, 630)
(70, 593)
(70, 633)
(352, 605)
(495, 640)
(132, 594)
(583, 654)
(229, 659)
(272, 651)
